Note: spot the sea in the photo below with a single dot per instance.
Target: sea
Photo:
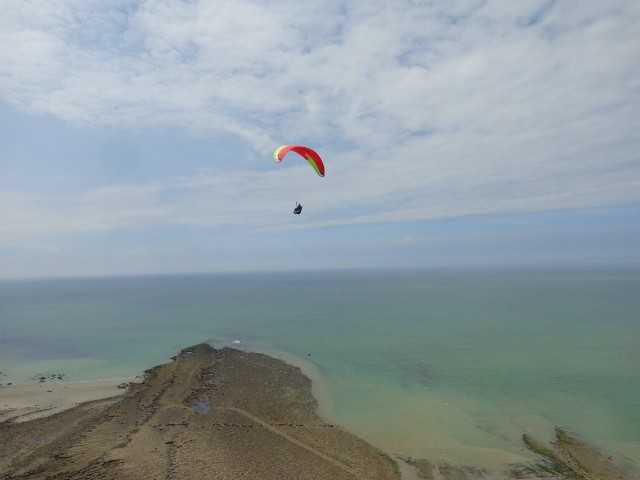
(452, 365)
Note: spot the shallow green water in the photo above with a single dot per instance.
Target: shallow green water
(453, 365)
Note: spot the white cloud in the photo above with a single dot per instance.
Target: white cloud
(422, 110)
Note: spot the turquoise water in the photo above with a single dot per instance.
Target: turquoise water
(447, 364)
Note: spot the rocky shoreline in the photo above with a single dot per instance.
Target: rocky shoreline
(219, 414)
(230, 414)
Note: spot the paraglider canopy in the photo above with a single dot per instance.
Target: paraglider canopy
(311, 156)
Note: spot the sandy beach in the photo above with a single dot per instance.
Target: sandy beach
(224, 414)
(27, 402)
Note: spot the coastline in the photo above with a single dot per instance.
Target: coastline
(21, 403)
(236, 413)
(226, 413)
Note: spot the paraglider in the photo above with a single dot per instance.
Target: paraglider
(305, 152)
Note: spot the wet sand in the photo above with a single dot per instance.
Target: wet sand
(226, 414)
(26, 402)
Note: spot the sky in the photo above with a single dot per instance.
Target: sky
(137, 137)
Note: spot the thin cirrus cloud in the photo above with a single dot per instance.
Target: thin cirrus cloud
(424, 110)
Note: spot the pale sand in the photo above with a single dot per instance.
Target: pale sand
(26, 402)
